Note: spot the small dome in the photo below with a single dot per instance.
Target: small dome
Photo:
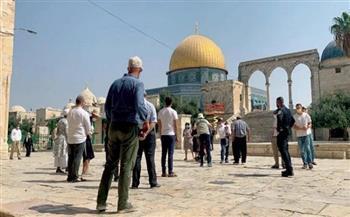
(69, 105)
(197, 51)
(331, 51)
(101, 100)
(88, 96)
(17, 108)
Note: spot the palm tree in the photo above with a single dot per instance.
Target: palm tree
(341, 31)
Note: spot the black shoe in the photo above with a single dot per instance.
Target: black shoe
(287, 173)
(59, 171)
(311, 166)
(164, 175)
(275, 167)
(134, 187)
(314, 163)
(155, 186)
(226, 161)
(73, 180)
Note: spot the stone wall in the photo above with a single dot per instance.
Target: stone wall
(260, 124)
(7, 19)
(331, 150)
(226, 92)
(332, 81)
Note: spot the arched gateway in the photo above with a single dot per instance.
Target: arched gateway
(288, 62)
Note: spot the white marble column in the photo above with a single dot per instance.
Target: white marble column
(7, 16)
(246, 97)
(290, 93)
(267, 84)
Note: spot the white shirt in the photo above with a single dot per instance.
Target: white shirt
(224, 131)
(167, 116)
(16, 135)
(78, 125)
(302, 121)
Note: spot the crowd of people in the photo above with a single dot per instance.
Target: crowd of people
(131, 131)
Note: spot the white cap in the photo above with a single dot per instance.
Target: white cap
(65, 112)
(200, 115)
(135, 62)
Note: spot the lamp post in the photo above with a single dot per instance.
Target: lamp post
(18, 29)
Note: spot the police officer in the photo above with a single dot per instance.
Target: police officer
(285, 121)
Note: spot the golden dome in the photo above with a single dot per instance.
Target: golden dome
(197, 51)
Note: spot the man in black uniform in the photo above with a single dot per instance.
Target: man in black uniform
(285, 121)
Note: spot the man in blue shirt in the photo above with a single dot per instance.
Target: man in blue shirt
(148, 146)
(125, 110)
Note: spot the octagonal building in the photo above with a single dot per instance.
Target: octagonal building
(195, 61)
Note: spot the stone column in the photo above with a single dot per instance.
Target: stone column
(315, 88)
(267, 84)
(7, 18)
(246, 97)
(290, 90)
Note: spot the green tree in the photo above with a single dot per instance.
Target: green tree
(182, 107)
(51, 124)
(341, 31)
(332, 111)
(26, 126)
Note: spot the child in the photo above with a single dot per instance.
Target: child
(187, 134)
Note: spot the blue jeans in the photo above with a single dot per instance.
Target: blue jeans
(168, 145)
(224, 149)
(312, 148)
(304, 147)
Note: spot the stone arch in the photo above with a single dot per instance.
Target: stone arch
(288, 62)
(299, 73)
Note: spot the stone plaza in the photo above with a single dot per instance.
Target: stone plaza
(32, 188)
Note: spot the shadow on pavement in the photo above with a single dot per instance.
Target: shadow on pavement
(46, 181)
(221, 182)
(45, 168)
(43, 173)
(66, 209)
(93, 187)
(254, 175)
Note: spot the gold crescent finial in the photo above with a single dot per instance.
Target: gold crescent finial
(196, 28)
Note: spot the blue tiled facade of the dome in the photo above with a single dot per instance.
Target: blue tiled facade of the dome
(331, 51)
(196, 76)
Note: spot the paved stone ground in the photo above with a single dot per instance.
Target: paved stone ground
(30, 187)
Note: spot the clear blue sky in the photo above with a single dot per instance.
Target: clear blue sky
(78, 44)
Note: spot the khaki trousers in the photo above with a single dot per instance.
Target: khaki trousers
(275, 149)
(15, 145)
